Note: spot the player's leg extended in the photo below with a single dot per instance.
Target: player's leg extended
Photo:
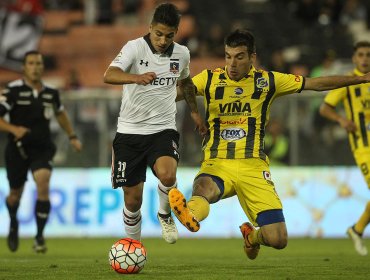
(42, 206)
(205, 191)
(165, 169)
(260, 202)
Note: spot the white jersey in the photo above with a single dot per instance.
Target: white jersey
(152, 108)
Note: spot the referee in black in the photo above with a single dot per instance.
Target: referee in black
(30, 104)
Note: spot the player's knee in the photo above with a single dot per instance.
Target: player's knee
(275, 235)
(206, 188)
(280, 243)
(167, 178)
(14, 196)
(133, 203)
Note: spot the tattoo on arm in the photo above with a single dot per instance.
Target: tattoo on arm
(189, 94)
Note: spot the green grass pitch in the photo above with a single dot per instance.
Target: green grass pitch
(87, 258)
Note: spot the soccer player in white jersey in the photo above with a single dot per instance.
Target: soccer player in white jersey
(150, 68)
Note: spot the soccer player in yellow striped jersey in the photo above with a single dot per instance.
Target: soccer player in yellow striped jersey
(356, 101)
(237, 99)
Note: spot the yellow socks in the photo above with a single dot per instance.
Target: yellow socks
(364, 220)
(199, 206)
(256, 237)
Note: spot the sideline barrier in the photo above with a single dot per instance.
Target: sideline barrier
(318, 202)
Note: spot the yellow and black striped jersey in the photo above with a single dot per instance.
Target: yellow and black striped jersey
(356, 102)
(237, 111)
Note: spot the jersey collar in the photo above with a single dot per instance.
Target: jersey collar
(358, 72)
(167, 52)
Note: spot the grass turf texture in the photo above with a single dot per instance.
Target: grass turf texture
(187, 259)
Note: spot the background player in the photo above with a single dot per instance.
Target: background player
(356, 101)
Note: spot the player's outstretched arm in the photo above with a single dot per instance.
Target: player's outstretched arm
(333, 82)
(115, 76)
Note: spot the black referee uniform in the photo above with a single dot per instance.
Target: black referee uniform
(33, 110)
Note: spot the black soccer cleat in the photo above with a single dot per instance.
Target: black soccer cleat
(13, 239)
(39, 246)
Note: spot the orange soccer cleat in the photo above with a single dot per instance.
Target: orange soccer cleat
(182, 212)
(251, 250)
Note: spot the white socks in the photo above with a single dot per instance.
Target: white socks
(164, 204)
(132, 223)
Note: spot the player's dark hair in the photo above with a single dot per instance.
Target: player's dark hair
(239, 38)
(167, 14)
(29, 53)
(361, 44)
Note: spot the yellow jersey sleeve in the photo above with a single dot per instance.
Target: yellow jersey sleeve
(200, 81)
(335, 96)
(288, 83)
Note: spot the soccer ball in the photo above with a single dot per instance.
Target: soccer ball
(127, 256)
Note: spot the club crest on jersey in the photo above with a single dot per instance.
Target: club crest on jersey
(261, 83)
(174, 67)
(233, 133)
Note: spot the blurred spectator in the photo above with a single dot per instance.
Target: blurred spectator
(215, 41)
(73, 81)
(277, 62)
(64, 4)
(105, 13)
(329, 65)
(353, 10)
(277, 143)
(329, 12)
(308, 10)
(32, 7)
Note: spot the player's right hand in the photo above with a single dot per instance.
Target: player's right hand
(146, 78)
(348, 125)
(19, 132)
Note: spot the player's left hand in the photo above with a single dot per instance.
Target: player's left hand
(76, 144)
(200, 126)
